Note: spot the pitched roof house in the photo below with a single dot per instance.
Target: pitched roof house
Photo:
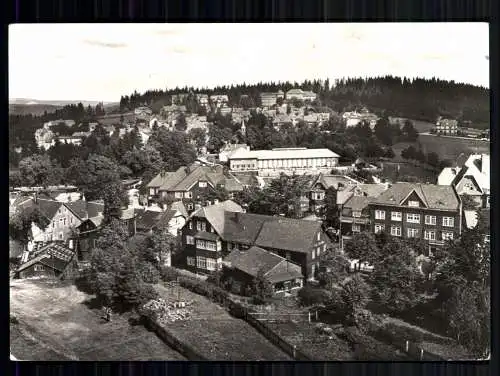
(192, 182)
(214, 231)
(244, 266)
(52, 259)
(426, 211)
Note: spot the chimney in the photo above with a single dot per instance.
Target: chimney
(35, 197)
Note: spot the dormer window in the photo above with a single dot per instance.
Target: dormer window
(202, 184)
(414, 204)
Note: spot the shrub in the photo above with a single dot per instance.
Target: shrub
(168, 274)
(147, 293)
(309, 296)
(149, 273)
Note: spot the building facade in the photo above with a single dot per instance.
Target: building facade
(424, 211)
(447, 127)
(285, 160)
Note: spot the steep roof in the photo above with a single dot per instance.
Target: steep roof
(85, 209)
(48, 208)
(53, 254)
(215, 213)
(147, 219)
(357, 202)
(253, 260)
(179, 206)
(434, 196)
(287, 233)
(371, 189)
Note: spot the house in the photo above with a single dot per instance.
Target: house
(179, 98)
(202, 99)
(148, 221)
(225, 110)
(87, 234)
(191, 183)
(228, 149)
(214, 231)
(269, 99)
(75, 140)
(242, 267)
(354, 217)
(471, 218)
(142, 113)
(82, 135)
(50, 259)
(354, 118)
(284, 160)
(424, 211)
(311, 119)
(448, 127)
(45, 138)
(322, 183)
(471, 179)
(300, 95)
(219, 99)
(281, 119)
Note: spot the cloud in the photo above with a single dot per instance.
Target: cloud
(105, 44)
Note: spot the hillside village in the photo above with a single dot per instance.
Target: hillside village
(285, 203)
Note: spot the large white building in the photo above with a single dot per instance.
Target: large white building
(286, 160)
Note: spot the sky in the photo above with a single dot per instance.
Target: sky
(102, 62)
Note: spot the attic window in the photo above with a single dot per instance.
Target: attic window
(202, 184)
(414, 204)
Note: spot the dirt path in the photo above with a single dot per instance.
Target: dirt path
(56, 324)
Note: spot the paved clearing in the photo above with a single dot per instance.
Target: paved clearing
(215, 334)
(56, 324)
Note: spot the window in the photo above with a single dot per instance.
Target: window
(412, 218)
(39, 268)
(188, 195)
(379, 214)
(447, 235)
(318, 251)
(319, 236)
(205, 244)
(430, 219)
(201, 262)
(190, 261)
(71, 220)
(60, 236)
(190, 206)
(356, 228)
(313, 255)
(211, 264)
(356, 214)
(396, 216)
(202, 184)
(448, 221)
(201, 226)
(190, 225)
(189, 239)
(64, 221)
(412, 232)
(379, 228)
(395, 231)
(414, 204)
(430, 235)
(178, 194)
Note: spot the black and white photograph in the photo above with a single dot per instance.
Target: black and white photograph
(249, 191)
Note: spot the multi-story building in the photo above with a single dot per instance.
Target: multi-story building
(322, 183)
(448, 127)
(354, 217)
(191, 183)
(270, 99)
(470, 179)
(284, 160)
(354, 118)
(212, 232)
(425, 211)
(219, 99)
(202, 99)
(301, 95)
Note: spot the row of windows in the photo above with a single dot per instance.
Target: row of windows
(414, 232)
(317, 251)
(205, 244)
(415, 218)
(204, 262)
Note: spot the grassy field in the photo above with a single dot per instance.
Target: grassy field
(215, 334)
(55, 323)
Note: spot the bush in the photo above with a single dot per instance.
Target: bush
(149, 273)
(309, 296)
(147, 293)
(168, 274)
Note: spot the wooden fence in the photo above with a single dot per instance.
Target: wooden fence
(411, 348)
(172, 341)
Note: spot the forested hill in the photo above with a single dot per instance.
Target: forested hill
(421, 99)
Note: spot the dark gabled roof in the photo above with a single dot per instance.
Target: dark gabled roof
(53, 254)
(434, 196)
(85, 209)
(147, 219)
(242, 227)
(166, 216)
(179, 206)
(357, 202)
(252, 260)
(288, 234)
(48, 208)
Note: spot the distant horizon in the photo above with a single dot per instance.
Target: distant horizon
(101, 62)
(332, 81)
